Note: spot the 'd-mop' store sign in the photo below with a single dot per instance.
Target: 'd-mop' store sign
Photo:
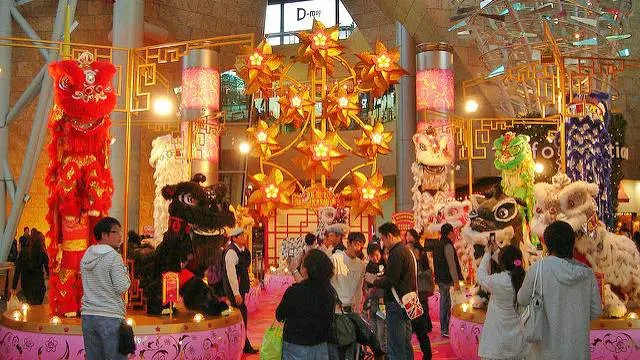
(548, 151)
(299, 15)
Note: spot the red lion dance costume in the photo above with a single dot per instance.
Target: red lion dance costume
(78, 177)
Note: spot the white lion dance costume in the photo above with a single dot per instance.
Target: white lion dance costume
(171, 167)
(434, 161)
(613, 255)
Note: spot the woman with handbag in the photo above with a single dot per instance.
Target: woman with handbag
(422, 326)
(501, 337)
(307, 310)
(569, 297)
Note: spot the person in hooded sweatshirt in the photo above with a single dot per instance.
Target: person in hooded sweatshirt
(104, 280)
(570, 298)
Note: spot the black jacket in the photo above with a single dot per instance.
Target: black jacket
(440, 264)
(307, 311)
(400, 273)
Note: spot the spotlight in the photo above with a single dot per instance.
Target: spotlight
(163, 106)
(471, 106)
(539, 168)
(244, 147)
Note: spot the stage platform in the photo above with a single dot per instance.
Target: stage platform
(614, 339)
(156, 337)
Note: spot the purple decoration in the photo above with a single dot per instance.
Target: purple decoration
(215, 344)
(589, 158)
(616, 344)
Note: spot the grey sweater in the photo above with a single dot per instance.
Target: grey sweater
(570, 300)
(104, 280)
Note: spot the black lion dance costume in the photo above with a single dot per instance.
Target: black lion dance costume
(192, 244)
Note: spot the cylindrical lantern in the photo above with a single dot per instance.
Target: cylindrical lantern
(434, 83)
(200, 101)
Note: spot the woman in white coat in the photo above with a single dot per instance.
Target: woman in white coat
(501, 336)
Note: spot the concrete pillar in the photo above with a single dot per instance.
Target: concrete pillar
(128, 23)
(406, 121)
(200, 98)
(5, 90)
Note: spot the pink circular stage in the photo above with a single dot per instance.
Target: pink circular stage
(277, 283)
(156, 337)
(614, 339)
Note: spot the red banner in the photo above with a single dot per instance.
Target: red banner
(170, 287)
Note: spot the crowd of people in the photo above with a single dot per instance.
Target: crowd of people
(334, 282)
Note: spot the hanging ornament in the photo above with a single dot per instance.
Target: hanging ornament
(258, 68)
(341, 106)
(295, 106)
(263, 139)
(320, 154)
(373, 141)
(320, 46)
(379, 70)
(273, 192)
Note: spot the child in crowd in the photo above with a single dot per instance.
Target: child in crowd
(374, 304)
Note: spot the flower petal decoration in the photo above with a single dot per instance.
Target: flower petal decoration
(373, 141)
(273, 192)
(263, 139)
(365, 196)
(379, 70)
(295, 105)
(320, 46)
(340, 106)
(320, 154)
(258, 68)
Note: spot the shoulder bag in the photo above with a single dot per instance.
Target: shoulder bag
(410, 301)
(531, 318)
(126, 341)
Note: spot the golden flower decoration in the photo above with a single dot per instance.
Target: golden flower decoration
(294, 106)
(320, 154)
(263, 139)
(374, 140)
(365, 196)
(258, 68)
(243, 219)
(273, 192)
(379, 70)
(340, 106)
(320, 46)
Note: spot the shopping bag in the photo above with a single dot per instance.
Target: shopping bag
(271, 348)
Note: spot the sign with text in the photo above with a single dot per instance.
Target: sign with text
(299, 15)
(404, 220)
(313, 198)
(170, 287)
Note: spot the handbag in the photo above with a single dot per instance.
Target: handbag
(343, 330)
(410, 301)
(531, 317)
(271, 348)
(126, 341)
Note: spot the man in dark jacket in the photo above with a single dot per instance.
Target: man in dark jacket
(400, 274)
(235, 270)
(447, 273)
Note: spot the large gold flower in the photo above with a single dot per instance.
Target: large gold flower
(379, 70)
(294, 106)
(340, 106)
(263, 139)
(320, 46)
(320, 154)
(259, 68)
(273, 192)
(374, 140)
(365, 196)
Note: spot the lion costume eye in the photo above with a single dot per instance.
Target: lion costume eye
(64, 83)
(423, 147)
(505, 211)
(187, 199)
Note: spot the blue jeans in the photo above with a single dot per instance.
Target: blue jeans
(398, 333)
(304, 352)
(445, 307)
(101, 335)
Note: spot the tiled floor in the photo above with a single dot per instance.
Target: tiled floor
(262, 318)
